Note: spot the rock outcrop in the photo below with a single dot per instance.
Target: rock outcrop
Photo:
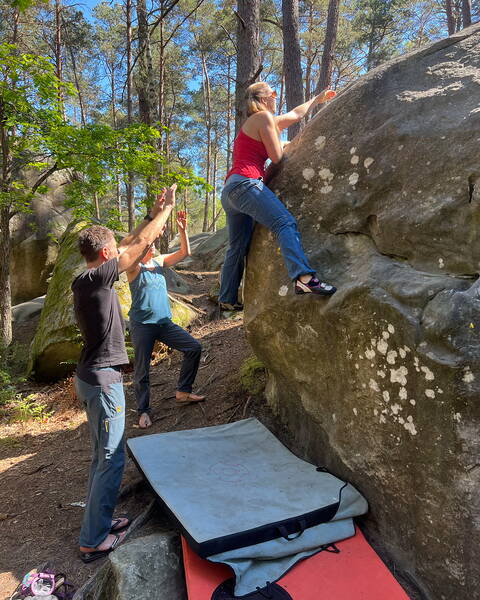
(56, 346)
(35, 239)
(147, 567)
(208, 250)
(381, 382)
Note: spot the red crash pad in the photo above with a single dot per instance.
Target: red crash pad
(356, 573)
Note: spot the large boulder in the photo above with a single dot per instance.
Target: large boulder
(35, 238)
(56, 346)
(381, 382)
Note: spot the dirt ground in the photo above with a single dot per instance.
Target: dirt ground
(44, 465)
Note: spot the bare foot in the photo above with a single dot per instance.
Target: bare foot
(144, 422)
(107, 543)
(184, 397)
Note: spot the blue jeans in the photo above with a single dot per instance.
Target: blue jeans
(246, 201)
(144, 336)
(105, 406)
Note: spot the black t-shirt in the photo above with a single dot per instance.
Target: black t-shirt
(99, 318)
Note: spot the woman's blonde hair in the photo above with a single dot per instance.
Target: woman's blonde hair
(254, 93)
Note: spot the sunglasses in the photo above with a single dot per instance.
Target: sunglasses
(273, 94)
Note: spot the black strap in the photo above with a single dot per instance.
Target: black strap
(284, 533)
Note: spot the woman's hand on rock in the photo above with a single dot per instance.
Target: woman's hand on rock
(325, 96)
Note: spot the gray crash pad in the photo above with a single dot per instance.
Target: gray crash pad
(235, 485)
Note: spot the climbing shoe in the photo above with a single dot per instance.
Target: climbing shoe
(314, 286)
(228, 306)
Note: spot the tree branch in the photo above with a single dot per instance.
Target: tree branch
(272, 22)
(43, 177)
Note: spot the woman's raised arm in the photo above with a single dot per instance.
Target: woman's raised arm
(295, 115)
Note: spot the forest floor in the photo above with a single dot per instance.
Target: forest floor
(44, 464)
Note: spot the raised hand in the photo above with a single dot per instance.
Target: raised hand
(182, 220)
(159, 203)
(170, 197)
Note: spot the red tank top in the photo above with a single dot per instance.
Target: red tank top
(249, 157)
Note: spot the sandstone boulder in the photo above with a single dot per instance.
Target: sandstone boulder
(56, 346)
(209, 252)
(381, 382)
(147, 567)
(35, 239)
(21, 313)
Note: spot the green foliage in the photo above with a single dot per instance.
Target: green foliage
(12, 370)
(29, 409)
(7, 389)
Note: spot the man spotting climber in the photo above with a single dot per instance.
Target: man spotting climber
(98, 380)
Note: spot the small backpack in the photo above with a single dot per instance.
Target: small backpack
(47, 583)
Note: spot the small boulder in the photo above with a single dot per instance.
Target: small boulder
(21, 313)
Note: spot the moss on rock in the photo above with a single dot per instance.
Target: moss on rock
(253, 376)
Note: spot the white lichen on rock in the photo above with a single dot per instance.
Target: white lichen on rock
(308, 173)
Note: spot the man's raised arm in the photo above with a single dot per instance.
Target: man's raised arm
(134, 246)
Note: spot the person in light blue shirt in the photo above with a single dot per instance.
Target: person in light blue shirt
(151, 320)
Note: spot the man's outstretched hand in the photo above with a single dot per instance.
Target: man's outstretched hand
(159, 203)
(170, 196)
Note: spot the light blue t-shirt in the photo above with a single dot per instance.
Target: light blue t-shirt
(149, 296)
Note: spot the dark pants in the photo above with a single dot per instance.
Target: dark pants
(105, 406)
(144, 336)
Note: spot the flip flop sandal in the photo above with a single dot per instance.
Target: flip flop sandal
(117, 521)
(88, 557)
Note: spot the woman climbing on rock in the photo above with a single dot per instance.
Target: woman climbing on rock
(150, 320)
(246, 199)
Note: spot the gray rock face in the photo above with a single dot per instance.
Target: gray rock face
(148, 567)
(34, 249)
(21, 313)
(381, 382)
(208, 251)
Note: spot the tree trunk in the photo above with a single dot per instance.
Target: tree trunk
(161, 84)
(77, 86)
(450, 17)
(466, 13)
(292, 65)
(58, 49)
(208, 122)
(310, 55)
(145, 87)
(248, 54)
(97, 205)
(325, 78)
(229, 114)
(281, 100)
(214, 193)
(5, 297)
(129, 181)
(5, 182)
